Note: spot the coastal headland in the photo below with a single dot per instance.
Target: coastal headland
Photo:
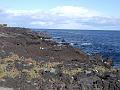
(31, 60)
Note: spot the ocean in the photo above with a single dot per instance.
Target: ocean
(104, 42)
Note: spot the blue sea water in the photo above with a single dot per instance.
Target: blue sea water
(107, 43)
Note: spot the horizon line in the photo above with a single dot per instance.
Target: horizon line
(76, 29)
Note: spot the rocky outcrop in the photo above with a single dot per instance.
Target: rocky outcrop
(34, 61)
(27, 43)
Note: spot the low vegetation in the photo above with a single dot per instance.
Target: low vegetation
(24, 66)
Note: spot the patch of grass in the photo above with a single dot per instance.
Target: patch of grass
(13, 73)
(101, 69)
(4, 65)
(12, 57)
(73, 71)
(2, 72)
(33, 73)
(49, 64)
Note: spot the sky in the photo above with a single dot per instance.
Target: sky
(61, 14)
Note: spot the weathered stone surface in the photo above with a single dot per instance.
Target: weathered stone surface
(33, 61)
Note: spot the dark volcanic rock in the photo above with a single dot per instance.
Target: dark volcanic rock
(32, 60)
(27, 43)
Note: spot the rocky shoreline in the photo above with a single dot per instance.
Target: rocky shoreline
(32, 60)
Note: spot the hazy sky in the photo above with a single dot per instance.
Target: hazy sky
(67, 14)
